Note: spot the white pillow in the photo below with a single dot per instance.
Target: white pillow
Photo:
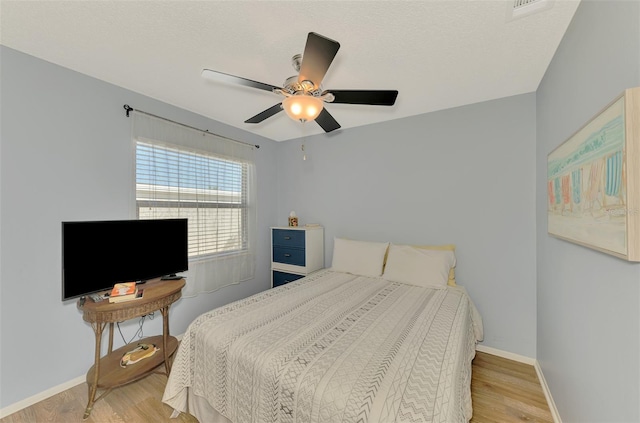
(358, 257)
(416, 266)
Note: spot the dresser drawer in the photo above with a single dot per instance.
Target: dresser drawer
(281, 278)
(295, 252)
(288, 238)
(295, 256)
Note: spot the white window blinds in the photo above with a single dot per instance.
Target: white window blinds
(185, 173)
(209, 191)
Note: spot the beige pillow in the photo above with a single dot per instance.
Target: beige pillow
(445, 247)
(418, 266)
(358, 257)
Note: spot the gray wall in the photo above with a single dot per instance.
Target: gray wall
(473, 176)
(464, 176)
(66, 155)
(588, 302)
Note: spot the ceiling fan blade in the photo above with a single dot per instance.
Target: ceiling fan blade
(326, 121)
(232, 79)
(265, 114)
(317, 57)
(374, 97)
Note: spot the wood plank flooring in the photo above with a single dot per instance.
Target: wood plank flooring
(502, 390)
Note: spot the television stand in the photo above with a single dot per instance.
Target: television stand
(106, 372)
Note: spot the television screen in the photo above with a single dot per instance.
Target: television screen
(97, 254)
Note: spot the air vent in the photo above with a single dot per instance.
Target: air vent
(517, 4)
(522, 8)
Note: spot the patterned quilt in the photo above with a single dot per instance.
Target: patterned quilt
(332, 347)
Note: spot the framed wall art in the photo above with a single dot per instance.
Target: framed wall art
(593, 181)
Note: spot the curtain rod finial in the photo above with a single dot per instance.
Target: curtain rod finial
(128, 109)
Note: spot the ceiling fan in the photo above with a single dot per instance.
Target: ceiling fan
(304, 96)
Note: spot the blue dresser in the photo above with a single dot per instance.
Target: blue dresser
(295, 252)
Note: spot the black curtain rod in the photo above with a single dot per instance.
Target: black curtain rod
(131, 109)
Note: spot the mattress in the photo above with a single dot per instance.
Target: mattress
(331, 347)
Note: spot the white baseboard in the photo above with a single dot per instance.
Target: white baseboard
(506, 354)
(532, 362)
(547, 394)
(27, 402)
(10, 409)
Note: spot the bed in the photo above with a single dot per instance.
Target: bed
(334, 346)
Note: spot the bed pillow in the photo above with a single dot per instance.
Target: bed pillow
(444, 247)
(358, 257)
(419, 266)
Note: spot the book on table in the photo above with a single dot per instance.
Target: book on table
(123, 291)
(137, 296)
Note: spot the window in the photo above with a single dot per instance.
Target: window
(211, 192)
(180, 172)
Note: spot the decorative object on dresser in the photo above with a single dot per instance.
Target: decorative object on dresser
(293, 219)
(295, 252)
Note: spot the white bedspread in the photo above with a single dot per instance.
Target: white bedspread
(331, 347)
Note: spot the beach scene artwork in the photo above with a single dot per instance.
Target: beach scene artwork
(587, 184)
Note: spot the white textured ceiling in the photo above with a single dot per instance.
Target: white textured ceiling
(437, 54)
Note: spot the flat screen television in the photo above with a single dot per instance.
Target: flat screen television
(97, 254)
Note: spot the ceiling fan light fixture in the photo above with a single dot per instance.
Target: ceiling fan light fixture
(303, 95)
(302, 107)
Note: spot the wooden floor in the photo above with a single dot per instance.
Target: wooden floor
(502, 391)
(505, 391)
